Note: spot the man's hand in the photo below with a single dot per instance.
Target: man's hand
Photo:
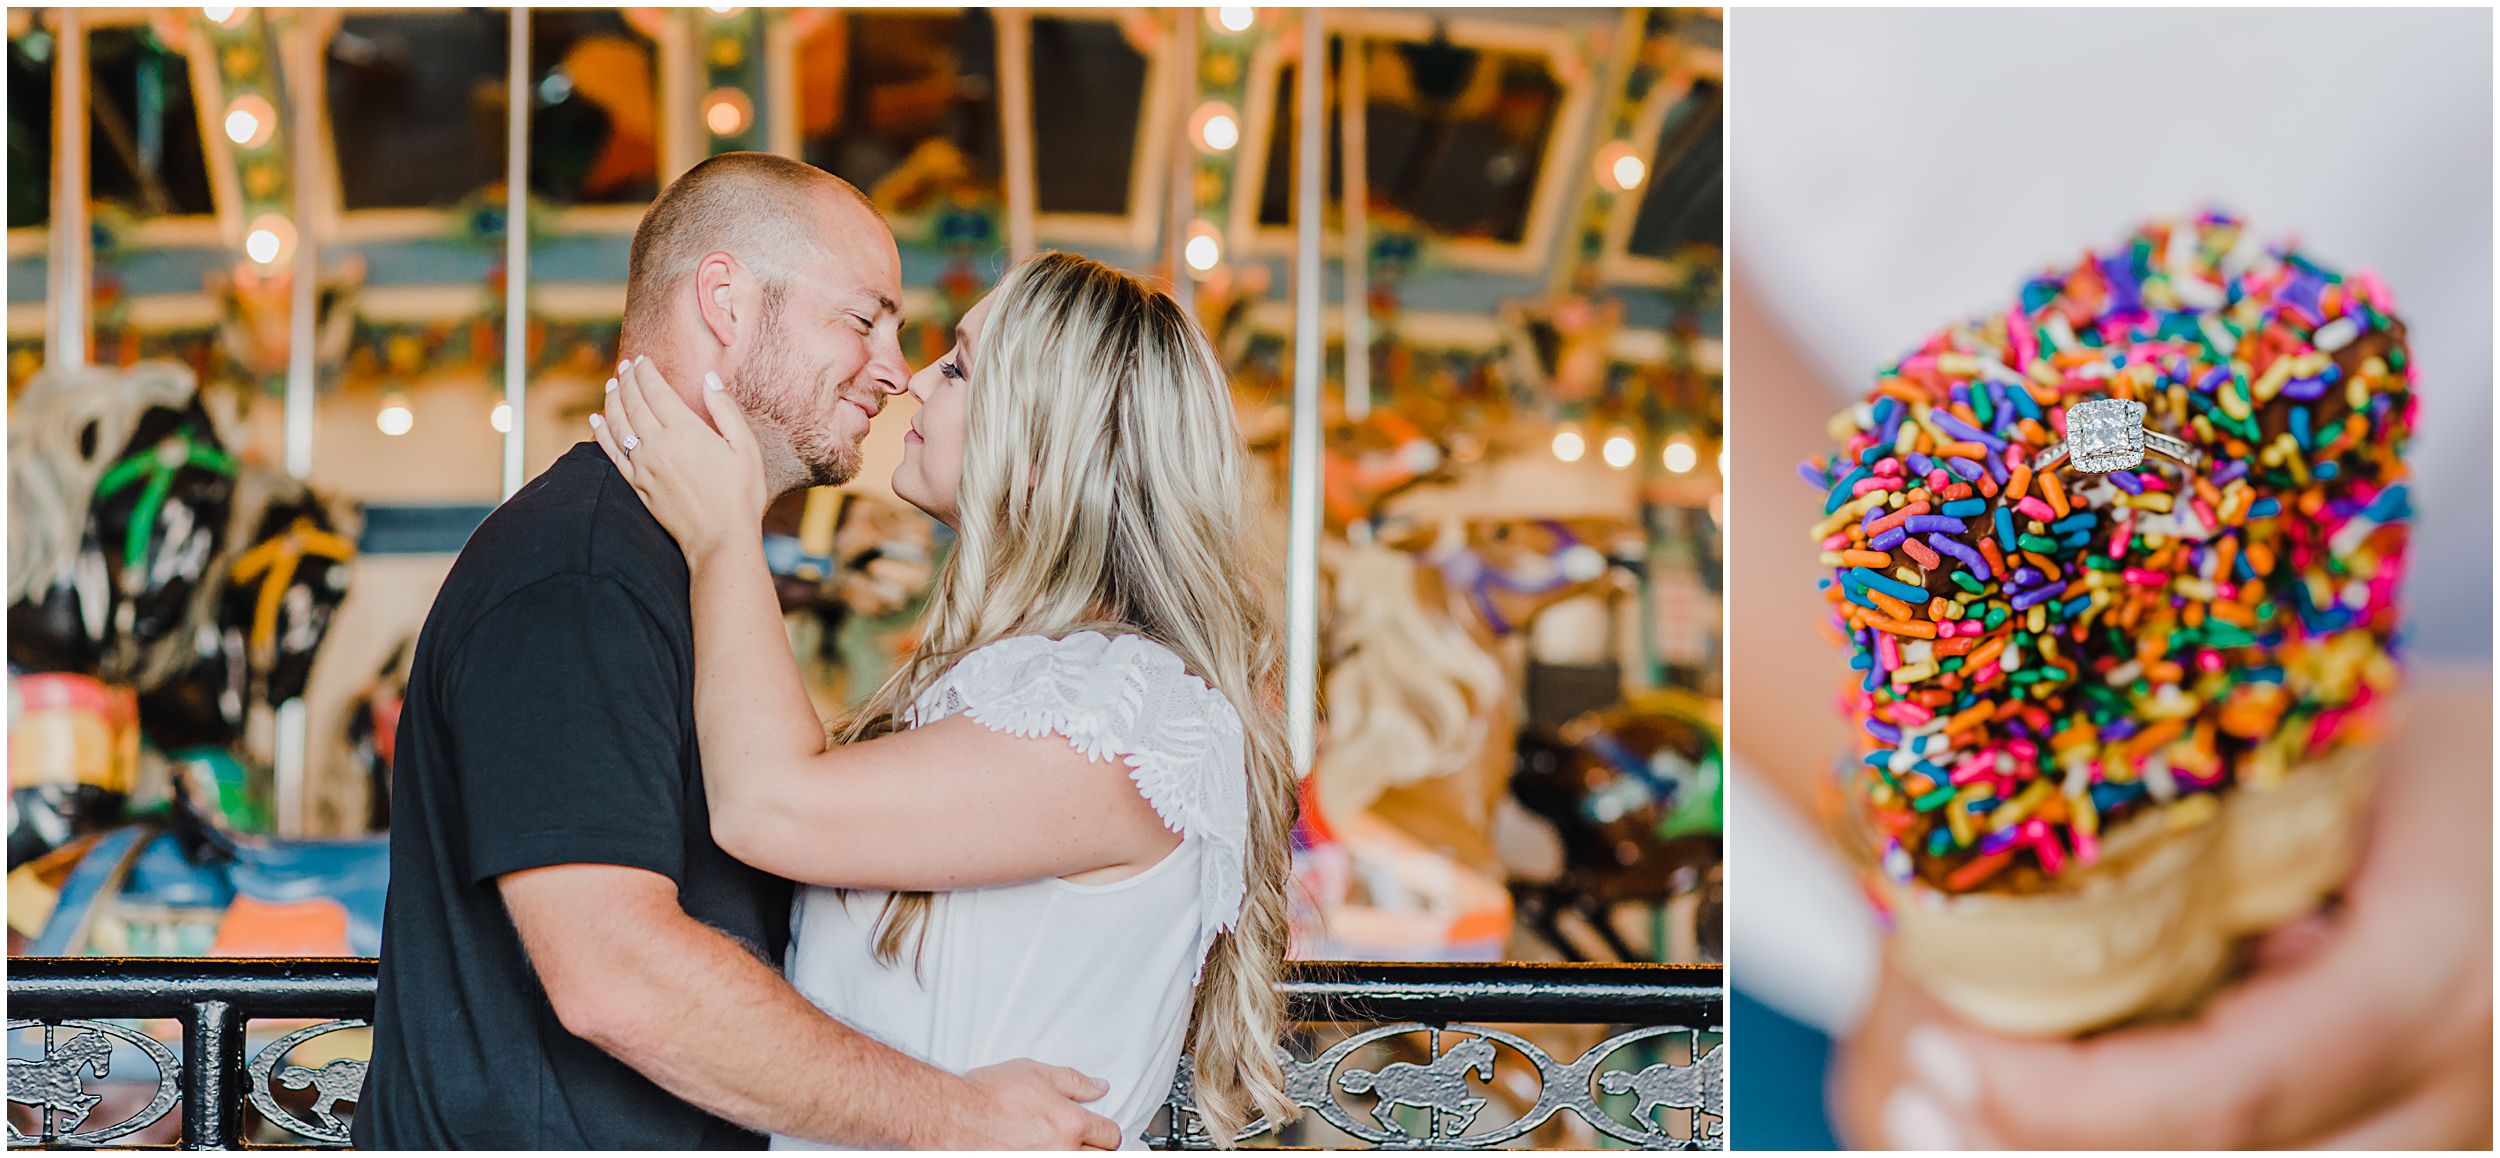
(1025, 1105)
(2369, 1026)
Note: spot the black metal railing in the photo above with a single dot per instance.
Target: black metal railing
(1427, 1027)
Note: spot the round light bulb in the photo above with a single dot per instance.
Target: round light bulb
(501, 419)
(1681, 457)
(269, 238)
(727, 112)
(1722, 462)
(395, 419)
(1236, 19)
(1569, 446)
(1619, 451)
(1221, 132)
(1629, 171)
(1204, 251)
(242, 126)
(220, 15)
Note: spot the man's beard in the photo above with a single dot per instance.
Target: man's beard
(778, 394)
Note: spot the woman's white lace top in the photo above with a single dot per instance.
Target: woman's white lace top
(1101, 977)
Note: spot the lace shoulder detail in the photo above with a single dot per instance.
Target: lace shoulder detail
(1125, 697)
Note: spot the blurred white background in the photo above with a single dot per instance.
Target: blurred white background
(1894, 170)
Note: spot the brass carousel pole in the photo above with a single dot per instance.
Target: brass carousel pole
(303, 89)
(1015, 90)
(1309, 345)
(516, 250)
(66, 334)
(1180, 202)
(1353, 99)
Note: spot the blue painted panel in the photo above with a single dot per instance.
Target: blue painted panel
(420, 530)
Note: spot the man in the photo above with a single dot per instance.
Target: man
(568, 961)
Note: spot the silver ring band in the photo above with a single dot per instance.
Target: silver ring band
(629, 442)
(2107, 434)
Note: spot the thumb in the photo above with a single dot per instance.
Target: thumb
(726, 414)
(1076, 1086)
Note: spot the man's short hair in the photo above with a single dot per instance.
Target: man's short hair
(757, 207)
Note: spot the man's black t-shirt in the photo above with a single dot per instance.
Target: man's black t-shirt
(549, 720)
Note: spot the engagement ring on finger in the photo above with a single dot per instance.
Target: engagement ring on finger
(629, 443)
(2108, 434)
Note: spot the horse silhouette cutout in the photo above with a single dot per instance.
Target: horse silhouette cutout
(54, 1083)
(1700, 1088)
(343, 1080)
(1440, 1086)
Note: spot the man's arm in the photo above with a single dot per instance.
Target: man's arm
(628, 971)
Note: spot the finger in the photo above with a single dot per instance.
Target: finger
(2396, 976)
(1075, 1085)
(634, 393)
(1100, 1133)
(666, 404)
(2294, 942)
(727, 416)
(607, 442)
(2451, 1112)
(2284, 1055)
(619, 424)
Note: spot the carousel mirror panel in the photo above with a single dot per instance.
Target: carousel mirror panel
(312, 341)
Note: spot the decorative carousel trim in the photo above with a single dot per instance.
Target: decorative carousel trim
(339, 1080)
(1696, 1091)
(55, 1083)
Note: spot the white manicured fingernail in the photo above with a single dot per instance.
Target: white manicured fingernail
(595, 420)
(711, 381)
(1943, 1066)
(611, 385)
(622, 364)
(1914, 1121)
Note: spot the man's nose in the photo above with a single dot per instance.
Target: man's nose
(888, 370)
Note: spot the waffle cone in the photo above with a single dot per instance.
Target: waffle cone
(2147, 931)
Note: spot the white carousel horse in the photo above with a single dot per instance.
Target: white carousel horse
(56, 1082)
(1440, 1085)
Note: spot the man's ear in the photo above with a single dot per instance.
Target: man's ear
(717, 279)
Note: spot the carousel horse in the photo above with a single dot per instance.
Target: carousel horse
(73, 759)
(1632, 793)
(260, 625)
(1490, 580)
(1560, 348)
(56, 1085)
(1439, 1086)
(181, 884)
(341, 1080)
(255, 314)
(118, 500)
(1421, 688)
(1696, 1089)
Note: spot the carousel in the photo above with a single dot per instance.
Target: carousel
(276, 347)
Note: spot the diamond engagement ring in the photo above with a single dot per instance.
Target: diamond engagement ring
(629, 443)
(2108, 434)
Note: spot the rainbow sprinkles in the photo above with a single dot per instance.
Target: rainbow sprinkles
(2045, 654)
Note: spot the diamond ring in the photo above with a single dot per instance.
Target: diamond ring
(629, 442)
(2107, 434)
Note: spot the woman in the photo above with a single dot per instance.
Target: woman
(1059, 831)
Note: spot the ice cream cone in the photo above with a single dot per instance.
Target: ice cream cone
(2140, 934)
(2146, 932)
(2288, 845)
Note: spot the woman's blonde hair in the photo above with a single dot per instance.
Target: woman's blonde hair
(1103, 489)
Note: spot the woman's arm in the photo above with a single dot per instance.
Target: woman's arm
(952, 805)
(949, 806)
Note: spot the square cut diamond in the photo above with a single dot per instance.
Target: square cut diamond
(2105, 434)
